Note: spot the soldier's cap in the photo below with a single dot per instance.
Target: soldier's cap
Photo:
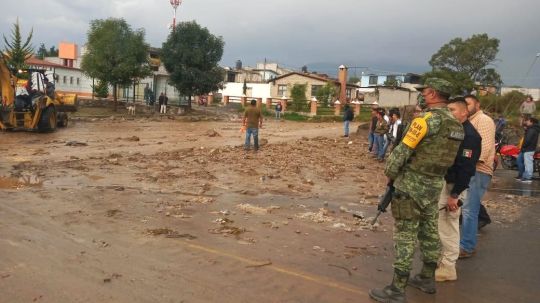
(437, 84)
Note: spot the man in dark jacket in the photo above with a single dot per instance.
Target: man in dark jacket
(348, 116)
(525, 159)
(457, 181)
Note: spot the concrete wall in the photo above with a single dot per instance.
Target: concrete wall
(255, 90)
(388, 97)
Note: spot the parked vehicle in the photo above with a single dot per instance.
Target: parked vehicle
(509, 154)
(30, 102)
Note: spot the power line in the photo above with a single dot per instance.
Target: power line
(532, 65)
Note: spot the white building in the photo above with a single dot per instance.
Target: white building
(534, 92)
(389, 96)
(254, 90)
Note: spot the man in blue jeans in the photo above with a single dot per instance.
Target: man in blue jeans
(380, 131)
(525, 160)
(372, 126)
(479, 183)
(252, 121)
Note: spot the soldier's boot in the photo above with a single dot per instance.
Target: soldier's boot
(393, 293)
(425, 280)
(445, 273)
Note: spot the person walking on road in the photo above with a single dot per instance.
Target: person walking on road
(480, 181)
(416, 168)
(457, 181)
(252, 122)
(161, 102)
(279, 109)
(348, 116)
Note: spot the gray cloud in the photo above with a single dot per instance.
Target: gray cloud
(385, 34)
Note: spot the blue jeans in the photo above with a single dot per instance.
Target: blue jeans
(525, 163)
(371, 140)
(278, 114)
(379, 139)
(520, 162)
(346, 127)
(386, 145)
(470, 209)
(255, 133)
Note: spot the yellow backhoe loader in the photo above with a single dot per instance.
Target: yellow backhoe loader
(30, 102)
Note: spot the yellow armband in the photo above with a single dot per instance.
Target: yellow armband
(417, 131)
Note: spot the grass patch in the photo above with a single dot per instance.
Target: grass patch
(293, 116)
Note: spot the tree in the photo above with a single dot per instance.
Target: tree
(53, 52)
(101, 89)
(191, 55)
(116, 54)
(462, 83)
(393, 82)
(17, 52)
(507, 104)
(353, 80)
(469, 58)
(326, 93)
(298, 96)
(42, 51)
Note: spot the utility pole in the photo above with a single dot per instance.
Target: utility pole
(175, 4)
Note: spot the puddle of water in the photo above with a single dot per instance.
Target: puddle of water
(525, 192)
(506, 184)
(22, 182)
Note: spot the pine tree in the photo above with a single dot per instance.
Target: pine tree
(16, 52)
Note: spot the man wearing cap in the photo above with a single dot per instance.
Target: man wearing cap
(416, 168)
(252, 122)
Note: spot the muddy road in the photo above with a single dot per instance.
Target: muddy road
(150, 210)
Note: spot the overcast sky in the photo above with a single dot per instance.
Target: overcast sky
(386, 35)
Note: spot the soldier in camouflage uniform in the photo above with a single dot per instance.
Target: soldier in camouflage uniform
(417, 167)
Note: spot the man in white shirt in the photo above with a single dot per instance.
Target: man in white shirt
(395, 131)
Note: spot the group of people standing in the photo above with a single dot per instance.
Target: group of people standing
(443, 163)
(385, 131)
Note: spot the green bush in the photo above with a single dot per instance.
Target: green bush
(298, 96)
(325, 94)
(293, 116)
(507, 104)
(101, 89)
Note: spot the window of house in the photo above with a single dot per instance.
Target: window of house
(373, 80)
(70, 80)
(315, 89)
(231, 77)
(65, 80)
(282, 90)
(78, 81)
(391, 78)
(348, 93)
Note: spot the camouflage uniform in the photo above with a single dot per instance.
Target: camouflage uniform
(417, 167)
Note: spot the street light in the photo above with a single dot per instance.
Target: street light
(532, 65)
(175, 4)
